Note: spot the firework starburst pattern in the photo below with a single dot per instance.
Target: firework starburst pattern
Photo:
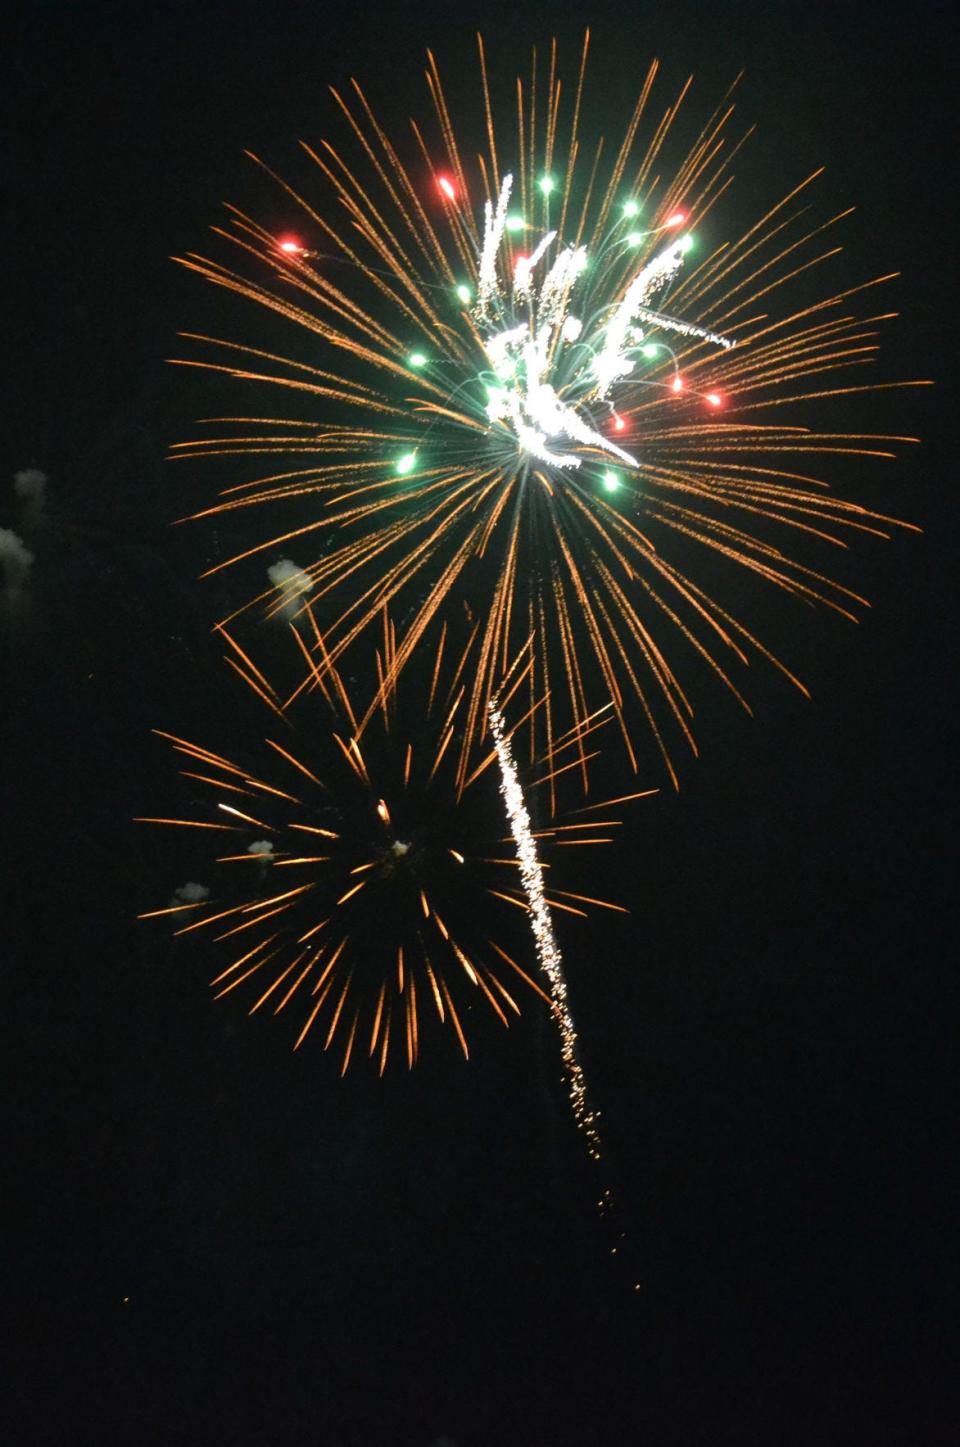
(359, 890)
(539, 396)
(539, 375)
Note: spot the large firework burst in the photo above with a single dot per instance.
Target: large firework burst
(358, 887)
(540, 376)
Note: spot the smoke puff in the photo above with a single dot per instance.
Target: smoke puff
(30, 485)
(292, 583)
(190, 893)
(15, 560)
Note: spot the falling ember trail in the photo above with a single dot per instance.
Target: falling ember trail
(548, 951)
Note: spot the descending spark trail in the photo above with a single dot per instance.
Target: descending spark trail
(548, 951)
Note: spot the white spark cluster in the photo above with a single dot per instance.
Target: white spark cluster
(494, 222)
(548, 952)
(613, 361)
(527, 355)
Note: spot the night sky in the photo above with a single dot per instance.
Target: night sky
(214, 1240)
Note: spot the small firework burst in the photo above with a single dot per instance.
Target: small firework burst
(359, 889)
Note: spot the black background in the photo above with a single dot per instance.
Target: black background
(217, 1241)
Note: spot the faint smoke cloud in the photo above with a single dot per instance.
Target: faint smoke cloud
(189, 893)
(16, 561)
(292, 584)
(30, 486)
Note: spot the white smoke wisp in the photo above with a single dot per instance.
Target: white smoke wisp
(30, 486)
(292, 585)
(189, 893)
(16, 560)
(548, 951)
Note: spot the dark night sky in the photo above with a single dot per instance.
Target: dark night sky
(217, 1241)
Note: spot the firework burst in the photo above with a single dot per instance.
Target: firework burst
(541, 376)
(358, 888)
